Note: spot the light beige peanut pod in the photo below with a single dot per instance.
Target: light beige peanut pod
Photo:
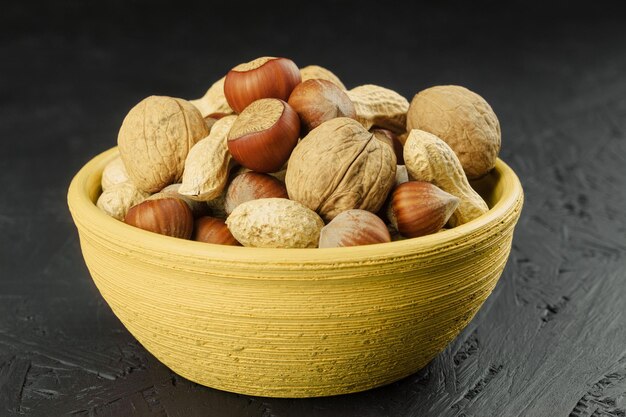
(380, 107)
(275, 223)
(315, 72)
(208, 163)
(462, 119)
(119, 198)
(155, 138)
(340, 166)
(430, 159)
(114, 173)
(213, 101)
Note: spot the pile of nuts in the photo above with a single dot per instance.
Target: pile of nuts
(281, 157)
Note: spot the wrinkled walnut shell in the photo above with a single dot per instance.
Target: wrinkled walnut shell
(340, 166)
(462, 119)
(155, 138)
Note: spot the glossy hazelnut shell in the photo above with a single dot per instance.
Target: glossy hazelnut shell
(420, 208)
(166, 216)
(317, 101)
(276, 78)
(354, 228)
(212, 230)
(252, 186)
(267, 150)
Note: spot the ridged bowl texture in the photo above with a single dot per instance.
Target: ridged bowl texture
(295, 322)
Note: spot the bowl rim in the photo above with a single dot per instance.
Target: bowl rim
(85, 213)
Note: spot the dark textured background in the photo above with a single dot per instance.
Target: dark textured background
(550, 341)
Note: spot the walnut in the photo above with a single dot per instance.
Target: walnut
(339, 166)
(155, 138)
(462, 119)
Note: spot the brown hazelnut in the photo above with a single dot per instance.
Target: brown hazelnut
(166, 216)
(212, 230)
(252, 186)
(317, 101)
(420, 208)
(264, 135)
(198, 208)
(354, 228)
(265, 77)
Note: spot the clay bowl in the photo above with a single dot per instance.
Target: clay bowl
(295, 322)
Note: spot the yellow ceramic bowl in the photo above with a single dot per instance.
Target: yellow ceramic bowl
(295, 322)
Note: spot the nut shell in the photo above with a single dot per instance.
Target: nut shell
(420, 208)
(462, 119)
(380, 107)
(317, 101)
(340, 166)
(208, 163)
(212, 230)
(275, 223)
(316, 72)
(264, 135)
(266, 77)
(167, 216)
(119, 198)
(114, 173)
(154, 140)
(428, 158)
(354, 228)
(252, 186)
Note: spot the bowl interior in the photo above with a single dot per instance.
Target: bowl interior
(501, 189)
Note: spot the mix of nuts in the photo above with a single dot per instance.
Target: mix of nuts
(281, 157)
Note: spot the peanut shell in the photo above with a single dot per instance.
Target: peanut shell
(312, 72)
(430, 159)
(380, 107)
(275, 223)
(119, 198)
(208, 163)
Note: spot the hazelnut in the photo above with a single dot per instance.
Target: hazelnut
(317, 101)
(212, 230)
(420, 208)
(462, 119)
(166, 216)
(264, 135)
(252, 186)
(198, 208)
(265, 77)
(353, 228)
